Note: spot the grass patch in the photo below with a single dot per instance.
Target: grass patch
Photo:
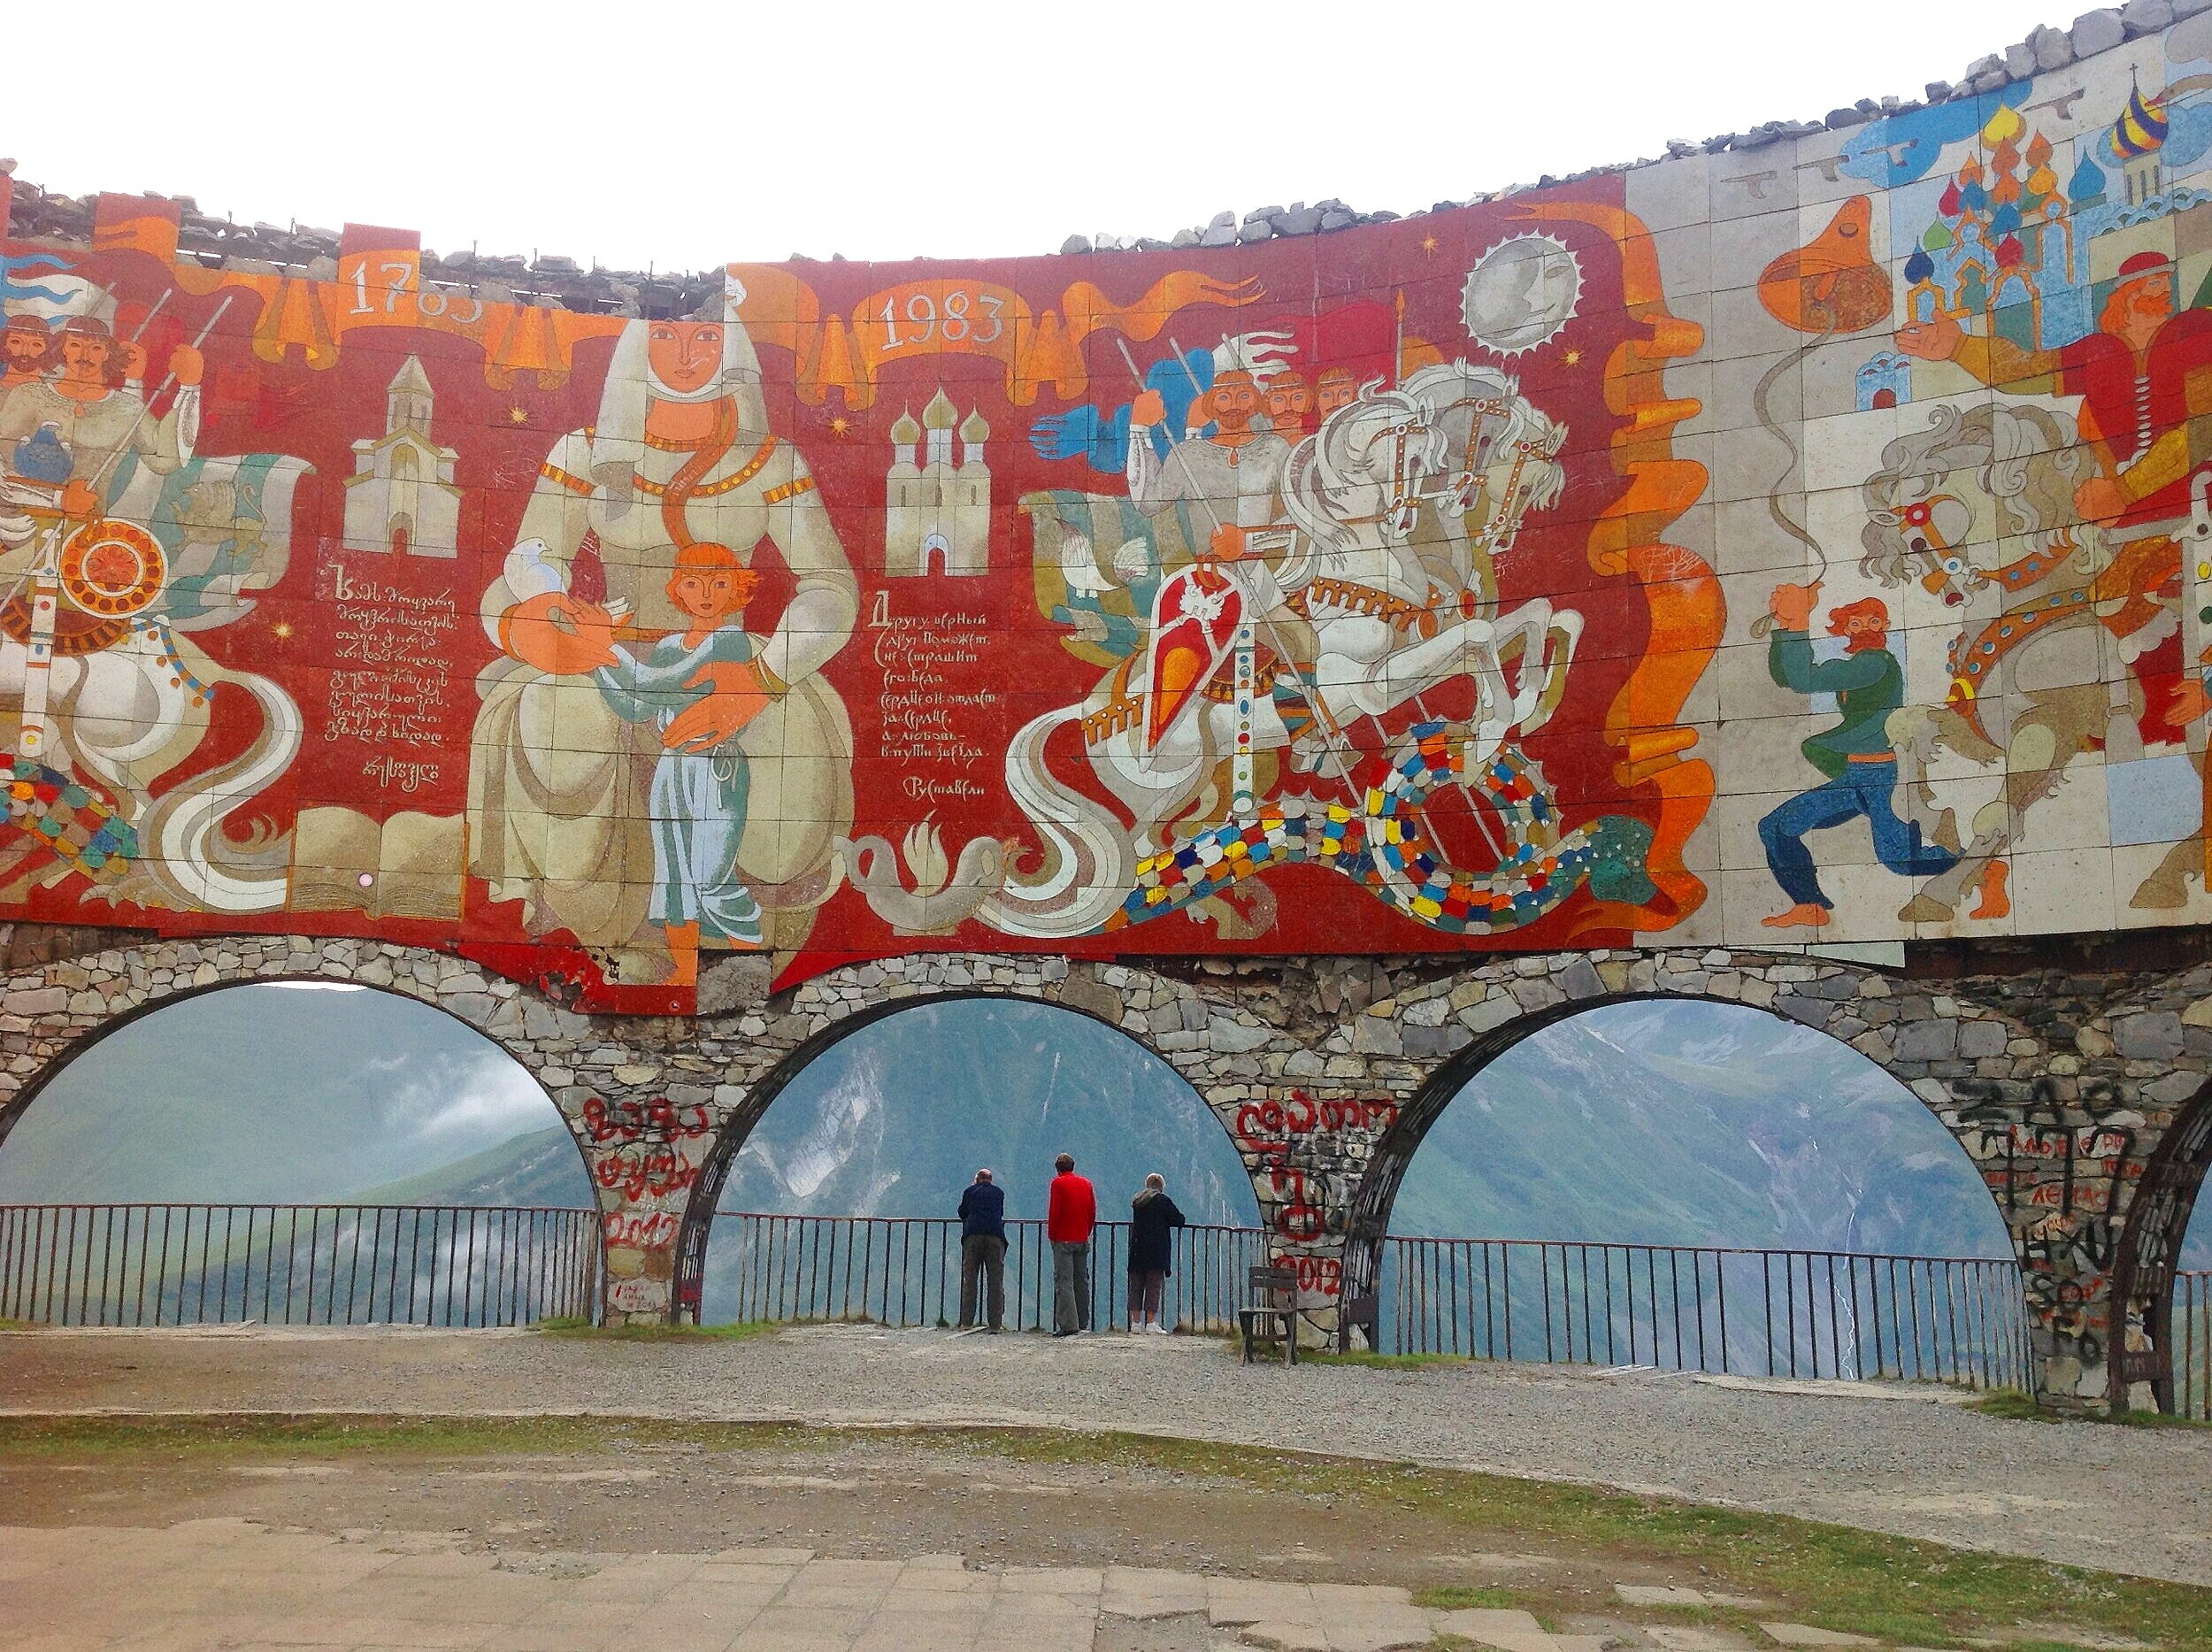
(2152, 1419)
(1459, 1597)
(2015, 1406)
(1834, 1577)
(1385, 1362)
(585, 1331)
(1894, 1588)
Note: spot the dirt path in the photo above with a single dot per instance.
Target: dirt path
(2121, 1499)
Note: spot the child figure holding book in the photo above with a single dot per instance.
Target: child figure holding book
(698, 798)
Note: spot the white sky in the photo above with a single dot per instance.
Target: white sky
(684, 134)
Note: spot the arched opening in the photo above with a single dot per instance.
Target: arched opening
(296, 1151)
(1673, 1182)
(839, 1181)
(2161, 1308)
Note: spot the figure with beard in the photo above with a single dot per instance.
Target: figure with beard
(1289, 405)
(2146, 416)
(1856, 755)
(2142, 413)
(23, 352)
(1226, 484)
(1238, 469)
(107, 431)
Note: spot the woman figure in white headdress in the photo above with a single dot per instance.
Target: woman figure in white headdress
(560, 819)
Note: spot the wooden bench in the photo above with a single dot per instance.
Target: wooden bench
(1273, 1315)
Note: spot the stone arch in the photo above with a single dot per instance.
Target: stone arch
(2147, 1249)
(67, 988)
(54, 1011)
(1368, 1218)
(1108, 1005)
(1924, 1038)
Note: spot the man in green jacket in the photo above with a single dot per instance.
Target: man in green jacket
(1856, 755)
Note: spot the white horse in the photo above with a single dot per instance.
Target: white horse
(122, 716)
(1460, 450)
(1455, 460)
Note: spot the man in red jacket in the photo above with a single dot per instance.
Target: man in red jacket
(1071, 1212)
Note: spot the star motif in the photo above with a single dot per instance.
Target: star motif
(281, 630)
(1429, 244)
(841, 426)
(517, 415)
(1571, 356)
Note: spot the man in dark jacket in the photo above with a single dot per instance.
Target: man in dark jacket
(983, 1248)
(1153, 1219)
(1071, 1212)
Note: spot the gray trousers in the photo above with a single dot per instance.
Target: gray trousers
(981, 1254)
(1070, 1285)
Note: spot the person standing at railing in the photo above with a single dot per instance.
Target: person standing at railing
(983, 1249)
(1071, 1212)
(1153, 1219)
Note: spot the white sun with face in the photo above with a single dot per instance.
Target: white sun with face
(1520, 294)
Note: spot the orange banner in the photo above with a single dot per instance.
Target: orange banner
(384, 289)
(956, 316)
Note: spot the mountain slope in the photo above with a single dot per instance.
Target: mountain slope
(1688, 1124)
(896, 1120)
(541, 1167)
(269, 1093)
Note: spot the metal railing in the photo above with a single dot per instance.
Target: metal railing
(2190, 1332)
(154, 1264)
(1771, 1313)
(905, 1271)
(1784, 1313)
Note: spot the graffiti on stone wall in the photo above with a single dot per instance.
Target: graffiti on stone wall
(1307, 1155)
(646, 1155)
(2056, 1155)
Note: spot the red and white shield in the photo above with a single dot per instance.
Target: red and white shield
(1195, 621)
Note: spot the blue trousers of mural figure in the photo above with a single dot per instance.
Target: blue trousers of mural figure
(1862, 788)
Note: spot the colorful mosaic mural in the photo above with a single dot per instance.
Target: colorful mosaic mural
(1808, 542)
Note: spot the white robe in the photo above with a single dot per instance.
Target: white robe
(558, 817)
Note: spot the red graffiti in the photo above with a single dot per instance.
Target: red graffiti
(1266, 1128)
(2089, 1195)
(658, 1119)
(1317, 1276)
(1296, 1217)
(643, 1231)
(658, 1173)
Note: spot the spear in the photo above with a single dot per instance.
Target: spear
(146, 320)
(167, 381)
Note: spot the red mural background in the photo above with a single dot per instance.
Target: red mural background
(307, 369)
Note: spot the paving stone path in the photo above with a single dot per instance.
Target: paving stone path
(1913, 1464)
(240, 1585)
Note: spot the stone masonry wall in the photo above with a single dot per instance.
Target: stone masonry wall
(1326, 1074)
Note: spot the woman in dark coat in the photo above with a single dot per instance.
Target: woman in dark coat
(1152, 1219)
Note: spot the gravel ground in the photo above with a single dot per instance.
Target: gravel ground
(1892, 1460)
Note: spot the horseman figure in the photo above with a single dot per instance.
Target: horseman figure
(1306, 588)
(2040, 666)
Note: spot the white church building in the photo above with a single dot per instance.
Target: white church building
(401, 495)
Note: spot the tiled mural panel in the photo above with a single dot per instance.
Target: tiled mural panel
(1802, 542)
